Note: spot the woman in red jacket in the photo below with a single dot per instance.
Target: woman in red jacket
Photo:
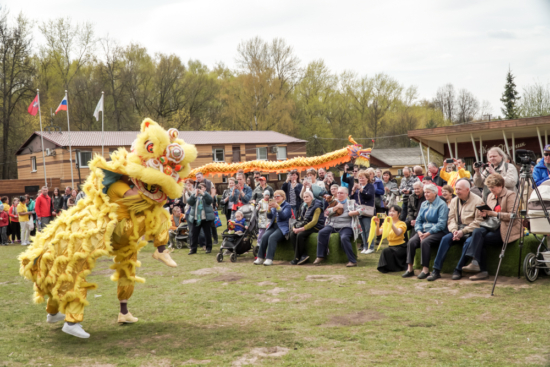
(14, 218)
(4, 223)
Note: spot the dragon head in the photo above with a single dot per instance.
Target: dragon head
(358, 153)
(157, 163)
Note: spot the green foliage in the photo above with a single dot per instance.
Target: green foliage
(510, 98)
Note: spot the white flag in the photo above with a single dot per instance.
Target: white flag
(98, 108)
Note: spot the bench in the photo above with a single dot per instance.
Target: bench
(509, 266)
(285, 250)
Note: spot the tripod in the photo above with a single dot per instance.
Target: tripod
(525, 177)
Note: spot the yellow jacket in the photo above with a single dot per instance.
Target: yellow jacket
(452, 177)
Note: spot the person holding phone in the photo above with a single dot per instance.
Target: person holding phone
(202, 216)
(497, 164)
(406, 189)
(453, 176)
(292, 189)
(226, 198)
(363, 193)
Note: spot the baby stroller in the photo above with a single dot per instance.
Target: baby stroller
(239, 244)
(182, 236)
(533, 263)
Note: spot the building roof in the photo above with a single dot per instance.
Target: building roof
(125, 138)
(399, 156)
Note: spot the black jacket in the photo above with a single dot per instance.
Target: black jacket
(437, 180)
(297, 190)
(306, 214)
(413, 208)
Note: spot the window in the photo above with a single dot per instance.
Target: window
(281, 153)
(261, 153)
(282, 176)
(218, 155)
(33, 164)
(399, 172)
(84, 158)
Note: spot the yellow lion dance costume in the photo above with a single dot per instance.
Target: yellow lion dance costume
(111, 220)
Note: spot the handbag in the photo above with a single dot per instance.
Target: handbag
(217, 221)
(365, 210)
(490, 223)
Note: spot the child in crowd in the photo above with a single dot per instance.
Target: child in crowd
(240, 223)
(263, 208)
(4, 222)
(24, 221)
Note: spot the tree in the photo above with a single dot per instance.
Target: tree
(536, 100)
(385, 92)
(510, 98)
(445, 100)
(467, 106)
(16, 84)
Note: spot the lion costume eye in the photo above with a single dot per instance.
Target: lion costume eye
(149, 146)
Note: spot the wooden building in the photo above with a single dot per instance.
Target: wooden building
(220, 146)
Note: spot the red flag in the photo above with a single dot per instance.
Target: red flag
(33, 108)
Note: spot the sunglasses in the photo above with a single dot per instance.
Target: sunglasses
(355, 171)
(546, 154)
(277, 196)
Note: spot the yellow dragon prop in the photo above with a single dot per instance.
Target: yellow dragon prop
(110, 221)
(355, 151)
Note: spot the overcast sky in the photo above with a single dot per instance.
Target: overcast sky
(426, 43)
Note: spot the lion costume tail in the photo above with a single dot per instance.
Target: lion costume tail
(64, 253)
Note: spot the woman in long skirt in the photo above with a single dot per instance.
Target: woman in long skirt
(394, 257)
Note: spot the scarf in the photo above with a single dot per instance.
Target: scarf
(386, 228)
(198, 211)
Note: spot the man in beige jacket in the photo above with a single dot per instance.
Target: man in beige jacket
(463, 219)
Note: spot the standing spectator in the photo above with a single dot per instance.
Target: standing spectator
(279, 215)
(43, 208)
(328, 199)
(242, 193)
(81, 195)
(312, 177)
(406, 189)
(328, 180)
(390, 199)
(379, 192)
(322, 174)
(418, 173)
(341, 224)
(541, 172)
(363, 193)
(24, 221)
(200, 179)
(454, 176)
(433, 172)
(257, 175)
(15, 227)
(427, 181)
(201, 215)
(497, 164)
(215, 206)
(68, 193)
(32, 214)
(226, 198)
(430, 227)
(292, 189)
(394, 257)
(415, 202)
(312, 184)
(378, 174)
(311, 219)
(4, 224)
(261, 187)
(349, 178)
(71, 200)
(188, 190)
(4, 210)
(250, 182)
(57, 202)
(263, 209)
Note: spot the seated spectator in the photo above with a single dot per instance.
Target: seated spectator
(363, 194)
(278, 228)
(292, 189)
(447, 194)
(390, 198)
(406, 189)
(263, 208)
(239, 223)
(541, 172)
(463, 219)
(415, 202)
(458, 172)
(418, 172)
(497, 164)
(394, 257)
(428, 180)
(502, 201)
(176, 218)
(430, 227)
(261, 187)
(341, 224)
(310, 220)
(434, 174)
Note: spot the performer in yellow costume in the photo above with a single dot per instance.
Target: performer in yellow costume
(121, 213)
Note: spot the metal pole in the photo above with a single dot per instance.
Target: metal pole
(545, 137)
(506, 142)
(513, 147)
(429, 154)
(474, 145)
(70, 148)
(102, 125)
(450, 149)
(540, 142)
(42, 138)
(424, 160)
(481, 148)
(456, 149)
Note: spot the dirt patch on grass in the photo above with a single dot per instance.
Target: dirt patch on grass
(266, 284)
(325, 278)
(257, 353)
(354, 319)
(359, 282)
(196, 361)
(473, 295)
(190, 281)
(275, 291)
(209, 271)
(102, 272)
(232, 277)
(300, 297)
(270, 300)
(381, 292)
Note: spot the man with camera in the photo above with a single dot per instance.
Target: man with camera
(497, 164)
(455, 174)
(541, 172)
(433, 172)
(415, 201)
(406, 189)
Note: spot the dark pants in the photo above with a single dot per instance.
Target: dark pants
(206, 226)
(404, 208)
(444, 246)
(299, 242)
(4, 235)
(15, 230)
(365, 227)
(346, 235)
(228, 214)
(475, 247)
(44, 221)
(426, 245)
(214, 232)
(269, 242)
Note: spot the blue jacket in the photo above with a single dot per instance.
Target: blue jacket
(432, 217)
(540, 173)
(367, 195)
(237, 195)
(379, 190)
(282, 217)
(297, 190)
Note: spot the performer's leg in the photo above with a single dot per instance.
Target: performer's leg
(125, 288)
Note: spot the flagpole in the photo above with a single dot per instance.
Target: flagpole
(42, 138)
(102, 124)
(70, 148)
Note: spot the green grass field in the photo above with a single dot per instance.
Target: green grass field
(236, 314)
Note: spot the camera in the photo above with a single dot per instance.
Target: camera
(525, 156)
(481, 165)
(449, 161)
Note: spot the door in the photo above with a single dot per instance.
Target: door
(236, 154)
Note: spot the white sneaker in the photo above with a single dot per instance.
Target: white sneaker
(363, 251)
(369, 251)
(268, 262)
(259, 261)
(75, 330)
(24, 244)
(52, 319)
